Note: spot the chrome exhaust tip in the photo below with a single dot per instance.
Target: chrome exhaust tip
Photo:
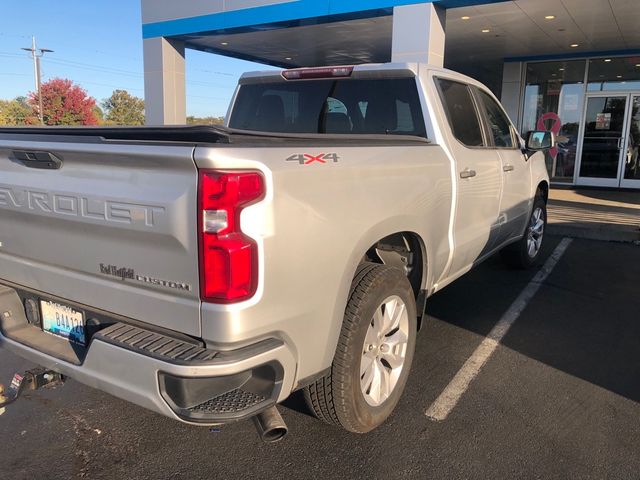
(270, 425)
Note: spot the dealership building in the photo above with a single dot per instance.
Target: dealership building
(568, 66)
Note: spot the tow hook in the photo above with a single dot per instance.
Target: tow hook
(33, 379)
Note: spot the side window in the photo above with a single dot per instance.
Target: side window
(461, 112)
(363, 108)
(335, 106)
(335, 117)
(405, 118)
(499, 124)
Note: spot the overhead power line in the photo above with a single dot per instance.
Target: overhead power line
(121, 87)
(37, 53)
(59, 60)
(116, 71)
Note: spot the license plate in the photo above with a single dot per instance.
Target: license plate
(63, 321)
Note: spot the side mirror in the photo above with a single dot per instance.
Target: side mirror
(540, 140)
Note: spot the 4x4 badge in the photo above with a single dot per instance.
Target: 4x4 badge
(308, 159)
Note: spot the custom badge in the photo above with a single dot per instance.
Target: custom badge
(126, 273)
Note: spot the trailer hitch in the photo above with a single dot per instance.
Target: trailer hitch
(33, 379)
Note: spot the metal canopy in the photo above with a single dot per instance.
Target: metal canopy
(366, 40)
(516, 29)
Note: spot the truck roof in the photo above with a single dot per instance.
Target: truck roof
(367, 70)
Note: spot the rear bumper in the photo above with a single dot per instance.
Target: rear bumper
(167, 375)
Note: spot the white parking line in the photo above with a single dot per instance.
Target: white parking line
(450, 396)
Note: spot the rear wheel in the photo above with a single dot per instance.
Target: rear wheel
(374, 353)
(526, 251)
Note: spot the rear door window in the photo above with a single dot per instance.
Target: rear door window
(461, 112)
(345, 106)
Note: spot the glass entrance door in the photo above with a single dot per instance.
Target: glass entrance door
(610, 146)
(631, 154)
(603, 140)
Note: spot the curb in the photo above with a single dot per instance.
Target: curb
(604, 233)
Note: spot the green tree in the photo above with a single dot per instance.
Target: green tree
(99, 114)
(16, 112)
(191, 120)
(122, 108)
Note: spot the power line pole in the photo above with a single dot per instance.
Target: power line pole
(37, 54)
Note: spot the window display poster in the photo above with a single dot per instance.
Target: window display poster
(603, 121)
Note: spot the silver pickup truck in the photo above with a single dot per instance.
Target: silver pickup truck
(207, 273)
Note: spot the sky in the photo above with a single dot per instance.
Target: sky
(98, 44)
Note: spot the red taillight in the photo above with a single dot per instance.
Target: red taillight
(321, 72)
(228, 258)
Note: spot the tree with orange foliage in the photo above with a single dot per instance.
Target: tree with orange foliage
(64, 103)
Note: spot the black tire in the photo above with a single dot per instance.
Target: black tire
(517, 255)
(337, 398)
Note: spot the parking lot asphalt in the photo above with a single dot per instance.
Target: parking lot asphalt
(559, 398)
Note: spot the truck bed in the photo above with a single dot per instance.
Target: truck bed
(196, 135)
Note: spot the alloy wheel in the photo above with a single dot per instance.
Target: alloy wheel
(535, 232)
(384, 351)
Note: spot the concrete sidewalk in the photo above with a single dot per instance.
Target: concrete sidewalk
(595, 214)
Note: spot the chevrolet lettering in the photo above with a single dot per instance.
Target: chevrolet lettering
(79, 206)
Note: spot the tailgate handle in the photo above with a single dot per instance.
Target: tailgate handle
(36, 159)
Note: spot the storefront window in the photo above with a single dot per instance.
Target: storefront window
(614, 74)
(632, 155)
(554, 96)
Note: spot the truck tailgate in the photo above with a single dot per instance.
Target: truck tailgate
(113, 228)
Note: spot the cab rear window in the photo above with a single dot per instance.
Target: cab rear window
(344, 106)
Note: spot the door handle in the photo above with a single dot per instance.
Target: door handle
(620, 142)
(467, 173)
(508, 168)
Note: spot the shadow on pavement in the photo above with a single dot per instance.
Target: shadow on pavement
(584, 320)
